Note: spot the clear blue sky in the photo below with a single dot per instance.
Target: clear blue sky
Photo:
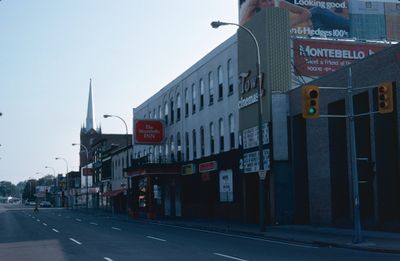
(49, 49)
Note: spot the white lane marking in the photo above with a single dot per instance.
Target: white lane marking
(55, 230)
(238, 236)
(108, 259)
(115, 228)
(156, 238)
(79, 220)
(75, 241)
(44, 224)
(92, 223)
(59, 215)
(230, 257)
(38, 220)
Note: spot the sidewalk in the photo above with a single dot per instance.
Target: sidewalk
(385, 242)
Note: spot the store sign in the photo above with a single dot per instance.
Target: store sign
(188, 169)
(317, 58)
(250, 136)
(250, 161)
(225, 186)
(208, 166)
(149, 131)
(87, 171)
(246, 84)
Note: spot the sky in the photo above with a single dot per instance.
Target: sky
(49, 51)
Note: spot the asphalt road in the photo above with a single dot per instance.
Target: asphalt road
(59, 234)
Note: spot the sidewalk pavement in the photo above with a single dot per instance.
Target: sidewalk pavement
(376, 241)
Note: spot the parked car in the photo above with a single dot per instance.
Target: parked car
(45, 204)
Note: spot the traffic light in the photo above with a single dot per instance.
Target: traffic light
(310, 102)
(385, 97)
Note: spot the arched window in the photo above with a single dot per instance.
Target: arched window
(194, 144)
(179, 147)
(172, 148)
(186, 102)
(166, 112)
(230, 77)
(210, 88)
(178, 107)
(193, 98)
(202, 146)
(212, 138)
(187, 146)
(221, 134)
(201, 83)
(231, 131)
(220, 83)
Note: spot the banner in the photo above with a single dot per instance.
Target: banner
(317, 58)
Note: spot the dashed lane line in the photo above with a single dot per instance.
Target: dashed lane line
(116, 228)
(230, 257)
(75, 241)
(108, 259)
(79, 220)
(156, 238)
(94, 224)
(55, 230)
(44, 224)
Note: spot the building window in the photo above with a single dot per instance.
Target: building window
(202, 146)
(166, 113)
(166, 148)
(210, 88)
(178, 107)
(230, 77)
(172, 111)
(220, 83)
(194, 144)
(178, 147)
(150, 115)
(212, 138)
(221, 134)
(172, 148)
(193, 98)
(231, 131)
(159, 112)
(187, 146)
(186, 102)
(201, 94)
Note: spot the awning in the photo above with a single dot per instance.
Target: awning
(113, 193)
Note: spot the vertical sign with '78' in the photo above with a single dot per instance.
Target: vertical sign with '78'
(149, 131)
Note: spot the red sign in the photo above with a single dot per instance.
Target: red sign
(208, 166)
(317, 58)
(149, 132)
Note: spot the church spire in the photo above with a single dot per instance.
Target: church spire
(90, 120)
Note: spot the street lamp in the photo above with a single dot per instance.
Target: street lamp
(217, 24)
(127, 159)
(66, 162)
(86, 176)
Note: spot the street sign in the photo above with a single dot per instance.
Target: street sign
(262, 174)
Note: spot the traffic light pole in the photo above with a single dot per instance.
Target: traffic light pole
(353, 159)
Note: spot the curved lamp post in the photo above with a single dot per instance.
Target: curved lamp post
(217, 24)
(127, 158)
(86, 176)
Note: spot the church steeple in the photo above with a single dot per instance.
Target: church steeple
(90, 120)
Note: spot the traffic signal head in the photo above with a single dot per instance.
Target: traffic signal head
(310, 95)
(385, 97)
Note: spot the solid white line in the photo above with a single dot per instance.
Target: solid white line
(44, 224)
(108, 259)
(76, 241)
(156, 238)
(115, 228)
(246, 237)
(230, 257)
(79, 220)
(92, 223)
(55, 230)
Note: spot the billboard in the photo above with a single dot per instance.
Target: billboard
(317, 58)
(149, 131)
(337, 19)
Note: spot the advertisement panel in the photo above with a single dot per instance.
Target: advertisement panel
(317, 58)
(149, 131)
(370, 20)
